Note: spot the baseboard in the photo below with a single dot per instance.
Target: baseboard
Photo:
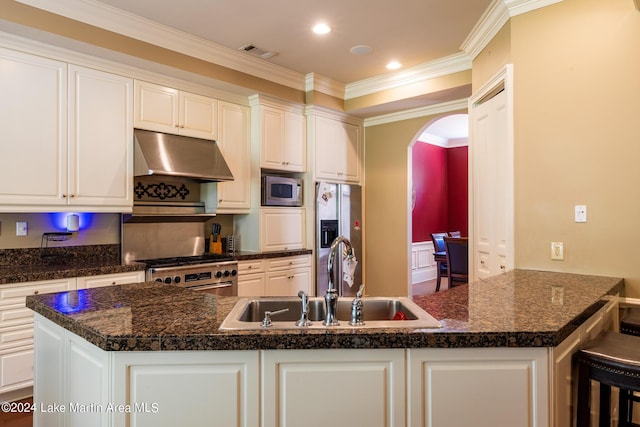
(13, 395)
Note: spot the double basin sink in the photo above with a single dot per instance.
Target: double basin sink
(378, 312)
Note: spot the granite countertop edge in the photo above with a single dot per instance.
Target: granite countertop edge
(207, 336)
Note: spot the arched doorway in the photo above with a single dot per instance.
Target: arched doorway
(439, 192)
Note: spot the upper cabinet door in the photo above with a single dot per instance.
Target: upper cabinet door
(234, 142)
(156, 107)
(282, 139)
(100, 139)
(337, 150)
(198, 116)
(33, 119)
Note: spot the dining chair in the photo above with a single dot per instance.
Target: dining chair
(454, 234)
(457, 252)
(439, 257)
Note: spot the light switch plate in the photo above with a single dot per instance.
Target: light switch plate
(581, 213)
(21, 228)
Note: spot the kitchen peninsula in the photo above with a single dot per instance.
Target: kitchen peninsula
(151, 354)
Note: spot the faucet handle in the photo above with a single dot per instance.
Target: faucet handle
(360, 291)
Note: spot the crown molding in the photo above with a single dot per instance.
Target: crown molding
(416, 74)
(518, 7)
(494, 18)
(320, 83)
(112, 19)
(445, 107)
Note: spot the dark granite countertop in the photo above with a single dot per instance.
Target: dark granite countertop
(30, 265)
(521, 308)
(246, 256)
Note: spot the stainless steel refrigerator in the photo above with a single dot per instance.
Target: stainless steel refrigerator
(338, 213)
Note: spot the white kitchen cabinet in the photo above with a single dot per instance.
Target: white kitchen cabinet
(16, 332)
(352, 387)
(164, 109)
(337, 145)
(102, 280)
(71, 374)
(287, 276)
(16, 322)
(282, 229)
(232, 197)
(281, 129)
(158, 388)
(282, 276)
(70, 149)
(564, 386)
(251, 278)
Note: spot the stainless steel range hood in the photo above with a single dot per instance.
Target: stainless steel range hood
(174, 155)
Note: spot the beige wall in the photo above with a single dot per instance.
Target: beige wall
(577, 137)
(103, 230)
(386, 204)
(493, 58)
(577, 141)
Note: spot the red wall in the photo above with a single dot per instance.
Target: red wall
(441, 190)
(458, 194)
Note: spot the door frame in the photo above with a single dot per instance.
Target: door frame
(502, 80)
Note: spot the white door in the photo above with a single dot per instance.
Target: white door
(491, 201)
(100, 139)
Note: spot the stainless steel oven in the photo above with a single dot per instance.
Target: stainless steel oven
(199, 273)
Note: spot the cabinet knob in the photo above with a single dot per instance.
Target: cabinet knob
(36, 292)
(113, 283)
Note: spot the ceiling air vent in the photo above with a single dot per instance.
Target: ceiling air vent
(254, 50)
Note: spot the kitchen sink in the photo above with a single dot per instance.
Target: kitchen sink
(378, 312)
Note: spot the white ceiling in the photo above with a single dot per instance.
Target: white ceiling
(449, 131)
(413, 32)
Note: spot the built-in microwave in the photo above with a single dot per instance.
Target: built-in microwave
(281, 191)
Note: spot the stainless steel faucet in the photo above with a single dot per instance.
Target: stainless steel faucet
(331, 298)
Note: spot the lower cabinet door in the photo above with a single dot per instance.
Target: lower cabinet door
(16, 368)
(187, 388)
(482, 387)
(337, 388)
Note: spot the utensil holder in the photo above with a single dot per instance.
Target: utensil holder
(232, 244)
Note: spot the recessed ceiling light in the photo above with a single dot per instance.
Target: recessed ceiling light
(321, 28)
(361, 49)
(394, 65)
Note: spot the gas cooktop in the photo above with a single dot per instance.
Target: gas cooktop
(186, 260)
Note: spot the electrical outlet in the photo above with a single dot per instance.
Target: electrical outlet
(557, 250)
(21, 228)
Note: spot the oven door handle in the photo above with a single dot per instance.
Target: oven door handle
(208, 287)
